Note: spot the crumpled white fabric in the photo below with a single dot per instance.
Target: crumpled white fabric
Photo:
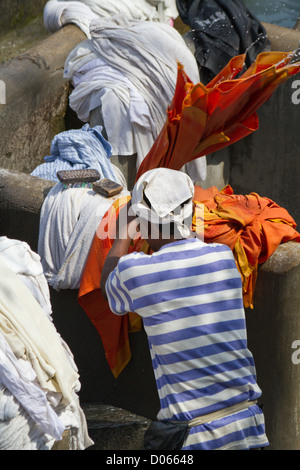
(19, 378)
(128, 69)
(18, 431)
(164, 196)
(19, 257)
(125, 114)
(68, 223)
(58, 13)
(33, 337)
(33, 417)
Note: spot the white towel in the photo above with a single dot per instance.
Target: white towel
(19, 257)
(68, 223)
(129, 71)
(19, 378)
(58, 13)
(33, 337)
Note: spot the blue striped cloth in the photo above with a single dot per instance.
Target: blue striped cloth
(189, 295)
(76, 150)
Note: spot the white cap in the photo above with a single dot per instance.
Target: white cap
(169, 193)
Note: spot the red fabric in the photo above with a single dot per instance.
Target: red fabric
(203, 119)
(113, 329)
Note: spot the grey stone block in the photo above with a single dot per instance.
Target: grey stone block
(36, 100)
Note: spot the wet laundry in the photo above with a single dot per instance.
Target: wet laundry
(221, 30)
(24, 262)
(205, 118)
(68, 222)
(128, 69)
(39, 381)
(58, 13)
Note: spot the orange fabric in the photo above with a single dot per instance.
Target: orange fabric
(203, 119)
(112, 329)
(252, 226)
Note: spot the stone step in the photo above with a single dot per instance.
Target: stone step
(113, 428)
(110, 428)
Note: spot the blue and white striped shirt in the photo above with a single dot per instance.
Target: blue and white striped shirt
(189, 295)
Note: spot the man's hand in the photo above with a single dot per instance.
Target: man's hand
(121, 243)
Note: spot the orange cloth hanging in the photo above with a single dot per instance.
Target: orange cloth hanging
(203, 119)
(113, 329)
(252, 226)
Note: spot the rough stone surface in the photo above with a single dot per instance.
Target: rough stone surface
(18, 12)
(21, 198)
(112, 428)
(282, 39)
(21, 38)
(36, 100)
(273, 326)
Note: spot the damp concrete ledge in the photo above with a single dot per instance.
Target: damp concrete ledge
(36, 100)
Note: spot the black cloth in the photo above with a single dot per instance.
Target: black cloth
(221, 29)
(165, 435)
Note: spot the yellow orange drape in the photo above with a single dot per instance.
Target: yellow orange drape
(252, 226)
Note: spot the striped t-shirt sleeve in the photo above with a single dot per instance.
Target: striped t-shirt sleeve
(118, 297)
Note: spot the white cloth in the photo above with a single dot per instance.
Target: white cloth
(125, 114)
(58, 13)
(32, 417)
(19, 378)
(33, 337)
(129, 70)
(19, 257)
(68, 223)
(18, 431)
(164, 196)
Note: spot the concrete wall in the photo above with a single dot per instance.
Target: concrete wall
(273, 327)
(36, 100)
(18, 12)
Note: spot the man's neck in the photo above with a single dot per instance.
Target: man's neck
(157, 243)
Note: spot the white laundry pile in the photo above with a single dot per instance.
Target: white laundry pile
(77, 149)
(58, 13)
(39, 380)
(128, 70)
(68, 223)
(27, 265)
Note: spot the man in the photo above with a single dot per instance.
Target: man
(190, 298)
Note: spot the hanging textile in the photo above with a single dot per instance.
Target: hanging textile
(113, 329)
(203, 119)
